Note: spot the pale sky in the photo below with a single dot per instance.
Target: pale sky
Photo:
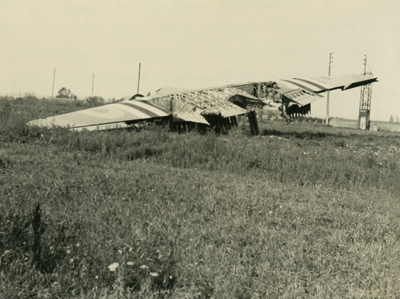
(194, 44)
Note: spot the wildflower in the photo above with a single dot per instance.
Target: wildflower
(113, 266)
(144, 267)
(154, 274)
(68, 251)
(120, 251)
(97, 277)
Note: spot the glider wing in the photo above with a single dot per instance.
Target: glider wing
(196, 106)
(303, 91)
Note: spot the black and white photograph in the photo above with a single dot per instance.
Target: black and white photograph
(199, 149)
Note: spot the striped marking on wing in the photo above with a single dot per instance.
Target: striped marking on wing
(139, 112)
(146, 108)
(304, 85)
(318, 84)
(134, 111)
(286, 84)
(116, 112)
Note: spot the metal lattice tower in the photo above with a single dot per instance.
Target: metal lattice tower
(365, 102)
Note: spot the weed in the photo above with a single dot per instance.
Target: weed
(38, 230)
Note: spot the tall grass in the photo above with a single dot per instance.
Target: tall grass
(342, 162)
(158, 214)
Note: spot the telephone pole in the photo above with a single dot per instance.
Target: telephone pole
(54, 79)
(92, 84)
(327, 96)
(138, 79)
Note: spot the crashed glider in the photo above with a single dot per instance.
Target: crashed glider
(209, 106)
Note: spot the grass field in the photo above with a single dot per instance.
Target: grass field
(302, 211)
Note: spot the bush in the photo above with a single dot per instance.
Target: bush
(94, 101)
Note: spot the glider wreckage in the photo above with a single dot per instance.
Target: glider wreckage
(216, 106)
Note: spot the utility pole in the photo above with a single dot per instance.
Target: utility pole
(327, 96)
(54, 79)
(138, 79)
(92, 84)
